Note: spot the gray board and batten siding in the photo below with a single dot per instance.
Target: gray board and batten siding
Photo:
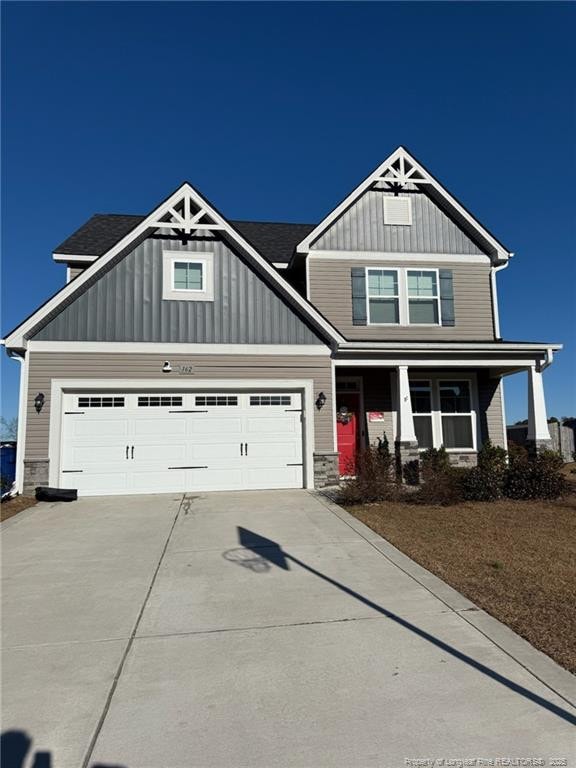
(361, 228)
(124, 303)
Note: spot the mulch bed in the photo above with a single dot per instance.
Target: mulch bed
(514, 559)
(11, 507)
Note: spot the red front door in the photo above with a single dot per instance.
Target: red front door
(347, 406)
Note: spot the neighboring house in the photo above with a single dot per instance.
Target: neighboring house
(188, 352)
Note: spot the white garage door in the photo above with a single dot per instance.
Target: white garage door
(193, 441)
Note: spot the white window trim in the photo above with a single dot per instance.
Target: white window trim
(387, 199)
(419, 298)
(436, 436)
(437, 432)
(398, 296)
(403, 297)
(170, 293)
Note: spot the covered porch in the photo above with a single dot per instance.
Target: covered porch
(424, 396)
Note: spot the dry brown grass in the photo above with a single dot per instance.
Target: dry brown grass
(11, 507)
(515, 559)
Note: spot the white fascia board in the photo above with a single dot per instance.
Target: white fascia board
(447, 347)
(305, 245)
(65, 258)
(432, 362)
(16, 339)
(158, 348)
(456, 258)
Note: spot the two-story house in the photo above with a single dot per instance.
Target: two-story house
(187, 352)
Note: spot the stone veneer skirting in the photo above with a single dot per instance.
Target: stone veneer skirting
(35, 473)
(326, 470)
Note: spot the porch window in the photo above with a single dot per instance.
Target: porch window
(456, 411)
(421, 399)
(383, 297)
(423, 298)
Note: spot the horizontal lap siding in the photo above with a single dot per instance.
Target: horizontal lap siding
(45, 366)
(331, 293)
(490, 401)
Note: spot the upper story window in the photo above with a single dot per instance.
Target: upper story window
(423, 298)
(383, 297)
(397, 210)
(187, 276)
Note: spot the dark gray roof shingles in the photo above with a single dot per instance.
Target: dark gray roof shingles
(274, 240)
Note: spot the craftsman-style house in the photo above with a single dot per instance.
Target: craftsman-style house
(190, 352)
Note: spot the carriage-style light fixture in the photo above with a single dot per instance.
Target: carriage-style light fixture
(39, 401)
(167, 368)
(321, 401)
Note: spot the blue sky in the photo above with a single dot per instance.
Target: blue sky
(275, 111)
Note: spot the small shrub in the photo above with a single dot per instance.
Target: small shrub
(485, 482)
(434, 461)
(374, 479)
(517, 454)
(551, 459)
(5, 484)
(539, 478)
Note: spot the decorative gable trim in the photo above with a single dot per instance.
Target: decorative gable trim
(185, 212)
(401, 172)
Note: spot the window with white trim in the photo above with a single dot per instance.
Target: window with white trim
(421, 399)
(423, 296)
(270, 400)
(159, 401)
(443, 413)
(216, 400)
(383, 296)
(100, 402)
(188, 275)
(456, 412)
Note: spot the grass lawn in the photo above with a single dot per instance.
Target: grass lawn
(514, 559)
(11, 507)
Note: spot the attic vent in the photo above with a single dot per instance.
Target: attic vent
(397, 210)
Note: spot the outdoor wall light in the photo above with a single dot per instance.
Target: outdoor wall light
(321, 400)
(167, 368)
(39, 401)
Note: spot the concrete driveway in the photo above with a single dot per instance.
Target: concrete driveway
(253, 630)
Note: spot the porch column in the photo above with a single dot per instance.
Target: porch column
(406, 433)
(538, 434)
(406, 442)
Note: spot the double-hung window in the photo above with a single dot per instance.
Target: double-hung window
(383, 297)
(456, 410)
(443, 413)
(421, 398)
(423, 296)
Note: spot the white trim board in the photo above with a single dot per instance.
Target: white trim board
(448, 258)
(17, 337)
(424, 177)
(490, 346)
(65, 257)
(158, 348)
(59, 386)
(432, 362)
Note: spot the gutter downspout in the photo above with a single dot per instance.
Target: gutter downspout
(496, 313)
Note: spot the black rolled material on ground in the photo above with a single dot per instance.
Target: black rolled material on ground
(56, 494)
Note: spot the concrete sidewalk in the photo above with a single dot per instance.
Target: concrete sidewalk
(253, 630)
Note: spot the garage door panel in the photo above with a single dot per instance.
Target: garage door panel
(90, 428)
(272, 424)
(225, 451)
(159, 426)
(287, 449)
(103, 454)
(94, 483)
(214, 425)
(158, 453)
(157, 481)
(280, 477)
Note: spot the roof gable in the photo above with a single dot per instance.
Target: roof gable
(401, 172)
(183, 214)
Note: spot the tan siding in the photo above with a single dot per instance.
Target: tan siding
(45, 366)
(490, 397)
(331, 293)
